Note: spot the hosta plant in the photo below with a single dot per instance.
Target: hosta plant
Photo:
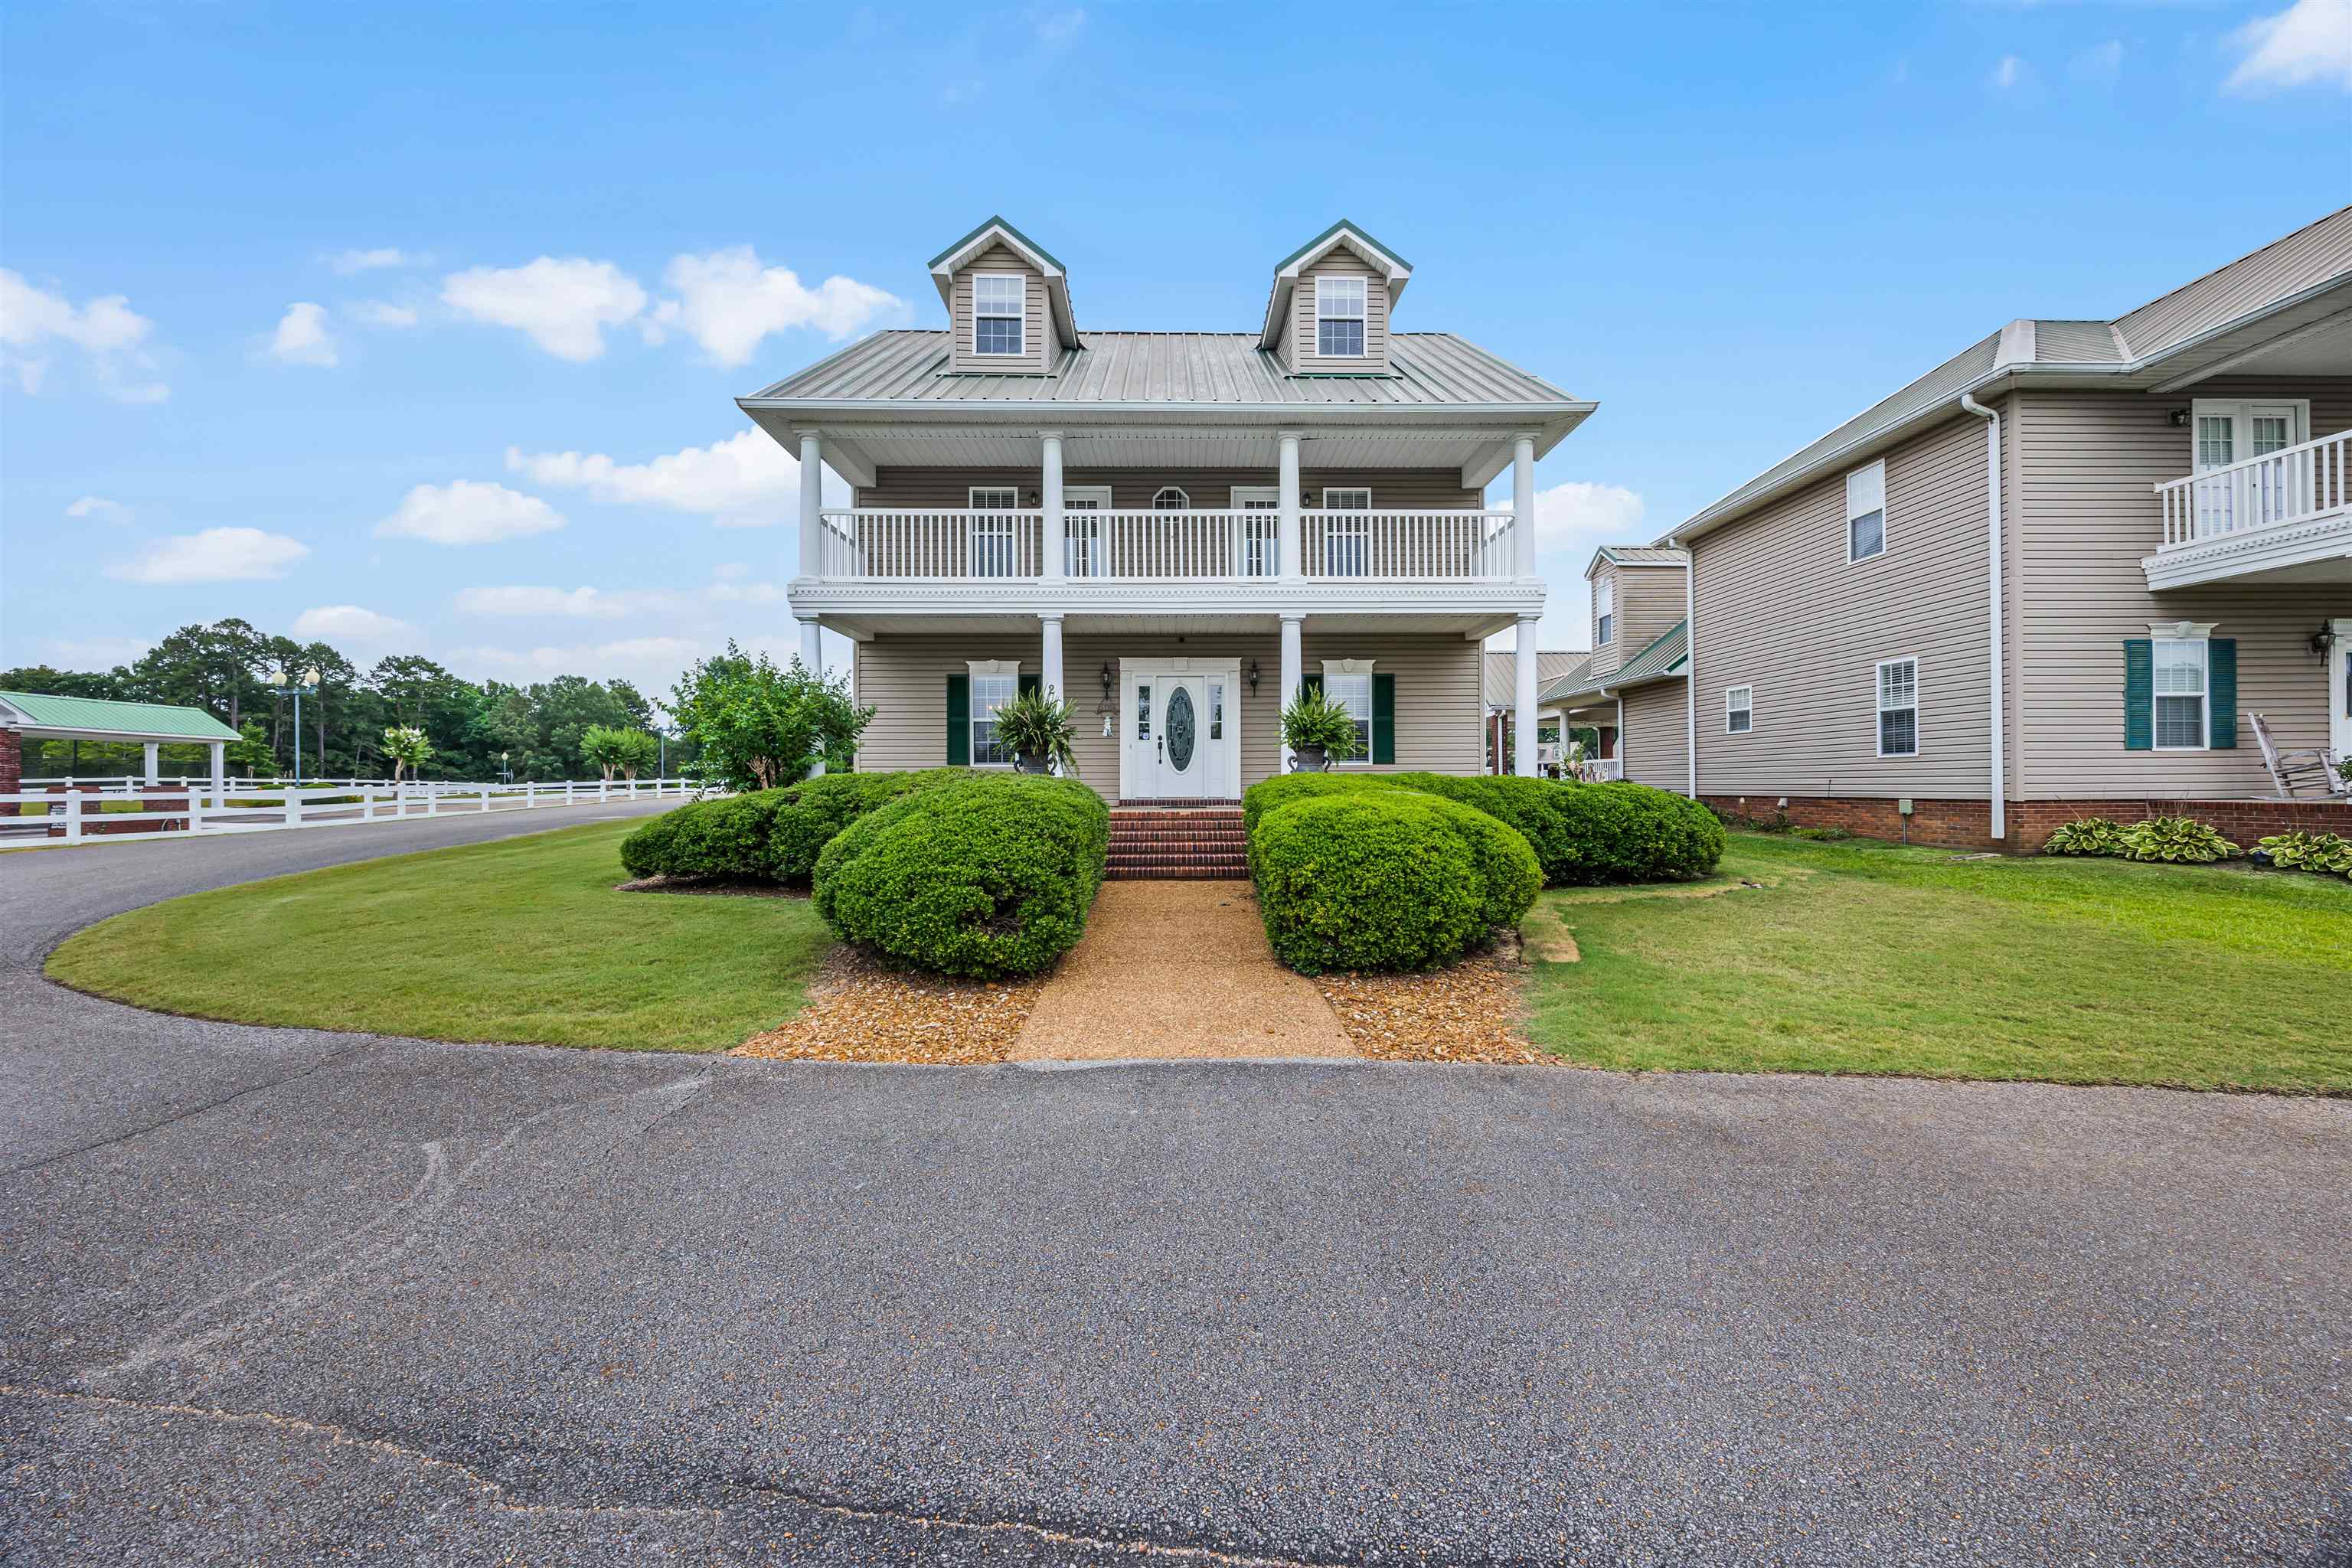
(2328, 852)
(2086, 836)
(2181, 840)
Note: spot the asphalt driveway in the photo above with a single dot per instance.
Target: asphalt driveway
(279, 1295)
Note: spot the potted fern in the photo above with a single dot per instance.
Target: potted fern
(1035, 729)
(1318, 731)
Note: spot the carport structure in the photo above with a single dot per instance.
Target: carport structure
(34, 716)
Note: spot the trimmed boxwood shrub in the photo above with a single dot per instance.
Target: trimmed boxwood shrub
(1506, 864)
(1536, 807)
(722, 838)
(816, 809)
(987, 875)
(1631, 833)
(1366, 879)
(1284, 788)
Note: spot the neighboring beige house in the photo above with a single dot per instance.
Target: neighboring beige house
(1502, 683)
(1634, 683)
(2054, 576)
(1171, 530)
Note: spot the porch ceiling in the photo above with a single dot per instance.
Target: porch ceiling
(983, 447)
(1467, 625)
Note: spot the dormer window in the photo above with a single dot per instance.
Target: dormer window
(1000, 307)
(1340, 317)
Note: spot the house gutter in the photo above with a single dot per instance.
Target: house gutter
(1992, 583)
(1690, 657)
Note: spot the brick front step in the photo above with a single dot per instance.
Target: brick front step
(1194, 843)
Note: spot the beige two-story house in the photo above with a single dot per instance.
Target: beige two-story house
(1170, 532)
(2060, 575)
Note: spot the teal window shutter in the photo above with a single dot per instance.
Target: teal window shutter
(2139, 694)
(959, 721)
(1384, 718)
(2221, 693)
(1032, 684)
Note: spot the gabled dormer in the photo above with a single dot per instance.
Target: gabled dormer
(1328, 314)
(1008, 303)
(1637, 597)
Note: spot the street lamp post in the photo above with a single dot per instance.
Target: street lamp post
(505, 773)
(282, 685)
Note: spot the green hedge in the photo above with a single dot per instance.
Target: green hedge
(990, 875)
(819, 808)
(1358, 879)
(724, 839)
(1284, 788)
(1536, 807)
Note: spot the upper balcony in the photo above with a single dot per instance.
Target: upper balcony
(2285, 516)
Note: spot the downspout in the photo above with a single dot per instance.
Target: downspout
(1690, 659)
(1992, 576)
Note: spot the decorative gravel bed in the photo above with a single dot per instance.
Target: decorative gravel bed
(1469, 1013)
(861, 1010)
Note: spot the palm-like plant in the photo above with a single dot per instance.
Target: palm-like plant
(1037, 728)
(1315, 727)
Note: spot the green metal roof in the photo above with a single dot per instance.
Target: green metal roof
(1662, 659)
(146, 720)
(1354, 228)
(994, 222)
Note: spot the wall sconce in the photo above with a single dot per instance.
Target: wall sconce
(1035, 499)
(1253, 677)
(2179, 418)
(2322, 640)
(1107, 679)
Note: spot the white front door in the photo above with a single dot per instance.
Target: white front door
(2339, 690)
(1183, 733)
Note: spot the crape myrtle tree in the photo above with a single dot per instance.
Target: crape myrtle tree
(759, 726)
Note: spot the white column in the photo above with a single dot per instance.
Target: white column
(220, 769)
(1052, 659)
(1523, 506)
(154, 768)
(1291, 568)
(813, 655)
(1055, 563)
(812, 505)
(1293, 666)
(1523, 711)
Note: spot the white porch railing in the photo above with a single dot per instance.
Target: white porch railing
(153, 811)
(1600, 769)
(2292, 485)
(959, 545)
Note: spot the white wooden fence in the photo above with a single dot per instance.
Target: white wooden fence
(166, 811)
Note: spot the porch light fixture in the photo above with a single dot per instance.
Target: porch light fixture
(1253, 677)
(2179, 418)
(2322, 640)
(1107, 679)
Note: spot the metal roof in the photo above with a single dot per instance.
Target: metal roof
(1502, 670)
(993, 221)
(2282, 275)
(1642, 555)
(1661, 660)
(1343, 226)
(93, 715)
(1427, 370)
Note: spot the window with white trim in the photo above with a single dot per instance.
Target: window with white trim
(991, 542)
(989, 691)
(1738, 709)
(1000, 305)
(1604, 612)
(1898, 707)
(1339, 308)
(1865, 512)
(2182, 693)
(1170, 498)
(1352, 689)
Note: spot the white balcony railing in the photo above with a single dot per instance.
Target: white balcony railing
(2292, 485)
(892, 544)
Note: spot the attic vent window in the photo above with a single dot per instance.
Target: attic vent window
(1340, 318)
(999, 302)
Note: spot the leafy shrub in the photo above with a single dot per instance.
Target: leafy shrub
(2326, 853)
(1500, 855)
(720, 838)
(816, 809)
(2178, 840)
(1536, 807)
(1630, 833)
(1284, 788)
(1366, 879)
(2086, 836)
(1821, 835)
(984, 876)
(651, 849)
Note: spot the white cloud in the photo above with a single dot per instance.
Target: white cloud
(729, 571)
(2009, 72)
(351, 625)
(586, 603)
(214, 555)
(564, 306)
(2100, 64)
(384, 314)
(302, 336)
(726, 302)
(469, 511)
(651, 664)
(745, 481)
(107, 331)
(92, 653)
(98, 508)
(1055, 28)
(2309, 43)
(351, 261)
(1582, 516)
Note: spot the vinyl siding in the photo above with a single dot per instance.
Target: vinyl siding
(1655, 743)
(1438, 712)
(1036, 333)
(2089, 461)
(1342, 263)
(1210, 489)
(1779, 609)
(1649, 602)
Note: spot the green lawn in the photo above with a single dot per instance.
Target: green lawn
(1866, 958)
(522, 940)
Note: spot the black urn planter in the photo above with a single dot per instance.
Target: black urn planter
(1313, 759)
(1031, 763)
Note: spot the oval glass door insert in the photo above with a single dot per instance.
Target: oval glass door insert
(1179, 728)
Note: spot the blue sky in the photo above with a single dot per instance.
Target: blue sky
(416, 327)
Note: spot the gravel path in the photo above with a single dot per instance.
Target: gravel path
(1172, 970)
(281, 1296)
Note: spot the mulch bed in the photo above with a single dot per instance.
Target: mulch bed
(1469, 1013)
(717, 887)
(861, 1010)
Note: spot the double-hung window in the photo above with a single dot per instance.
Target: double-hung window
(1000, 302)
(1898, 707)
(2181, 692)
(990, 693)
(1353, 692)
(1340, 317)
(992, 549)
(1865, 512)
(1604, 612)
(1738, 709)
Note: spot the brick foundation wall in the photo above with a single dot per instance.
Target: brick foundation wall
(12, 761)
(1967, 823)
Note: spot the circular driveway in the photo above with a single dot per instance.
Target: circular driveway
(281, 1295)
